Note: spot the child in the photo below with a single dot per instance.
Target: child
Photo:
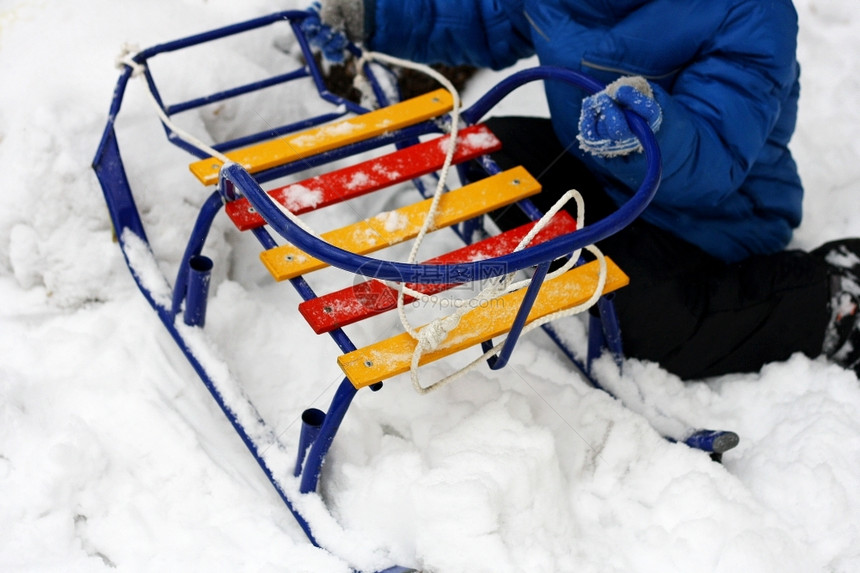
(712, 289)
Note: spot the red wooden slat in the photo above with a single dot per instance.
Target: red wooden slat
(372, 175)
(370, 298)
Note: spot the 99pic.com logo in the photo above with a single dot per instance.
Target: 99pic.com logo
(446, 288)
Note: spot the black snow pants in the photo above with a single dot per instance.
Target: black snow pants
(684, 309)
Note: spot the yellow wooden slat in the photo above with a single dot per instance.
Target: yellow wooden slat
(392, 227)
(387, 358)
(324, 138)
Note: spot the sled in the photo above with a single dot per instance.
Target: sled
(351, 151)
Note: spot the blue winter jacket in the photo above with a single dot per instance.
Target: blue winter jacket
(724, 72)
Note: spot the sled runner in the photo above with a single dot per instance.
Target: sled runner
(265, 181)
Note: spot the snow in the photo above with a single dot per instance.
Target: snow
(296, 197)
(357, 180)
(333, 131)
(480, 140)
(113, 454)
(393, 221)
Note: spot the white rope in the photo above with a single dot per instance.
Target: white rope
(425, 336)
(127, 59)
(499, 286)
(595, 296)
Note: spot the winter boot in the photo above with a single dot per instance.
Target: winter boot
(842, 338)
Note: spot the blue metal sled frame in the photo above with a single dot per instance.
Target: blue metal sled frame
(190, 288)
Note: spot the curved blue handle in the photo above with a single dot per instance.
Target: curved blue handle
(466, 272)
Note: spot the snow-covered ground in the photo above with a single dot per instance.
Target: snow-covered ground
(113, 455)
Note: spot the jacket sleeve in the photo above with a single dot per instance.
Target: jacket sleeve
(720, 114)
(482, 33)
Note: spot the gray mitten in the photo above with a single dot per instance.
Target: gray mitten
(344, 15)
